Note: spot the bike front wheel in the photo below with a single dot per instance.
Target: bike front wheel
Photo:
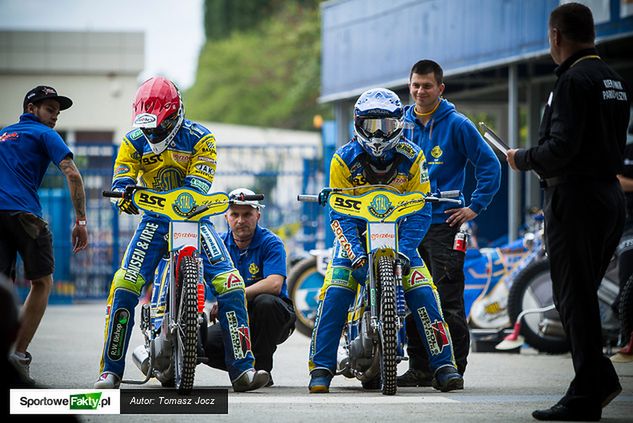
(389, 332)
(186, 340)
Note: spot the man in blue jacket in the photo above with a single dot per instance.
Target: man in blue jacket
(260, 257)
(449, 140)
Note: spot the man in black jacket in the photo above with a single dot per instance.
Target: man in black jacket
(579, 153)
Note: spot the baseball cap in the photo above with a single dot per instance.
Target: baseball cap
(42, 92)
(236, 192)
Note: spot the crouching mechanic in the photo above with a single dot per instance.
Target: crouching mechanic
(165, 152)
(260, 257)
(378, 154)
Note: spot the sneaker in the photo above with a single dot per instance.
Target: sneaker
(320, 381)
(250, 380)
(22, 365)
(108, 380)
(413, 377)
(447, 378)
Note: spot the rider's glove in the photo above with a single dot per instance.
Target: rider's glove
(126, 205)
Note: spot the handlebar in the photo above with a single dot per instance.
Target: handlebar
(437, 197)
(308, 198)
(129, 190)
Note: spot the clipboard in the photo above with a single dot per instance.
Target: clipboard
(494, 140)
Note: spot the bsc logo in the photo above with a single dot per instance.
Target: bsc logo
(151, 200)
(380, 206)
(347, 203)
(253, 269)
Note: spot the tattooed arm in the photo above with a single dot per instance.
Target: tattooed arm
(78, 198)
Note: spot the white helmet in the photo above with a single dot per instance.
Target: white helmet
(378, 121)
(233, 195)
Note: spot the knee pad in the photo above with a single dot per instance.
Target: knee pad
(227, 282)
(418, 277)
(128, 280)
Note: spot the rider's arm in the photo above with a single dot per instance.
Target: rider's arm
(340, 178)
(78, 198)
(202, 164)
(414, 227)
(126, 165)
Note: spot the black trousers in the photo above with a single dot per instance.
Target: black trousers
(447, 269)
(271, 320)
(583, 224)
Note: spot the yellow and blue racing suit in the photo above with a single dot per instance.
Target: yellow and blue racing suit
(351, 167)
(190, 161)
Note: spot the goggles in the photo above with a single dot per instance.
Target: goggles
(386, 126)
(156, 135)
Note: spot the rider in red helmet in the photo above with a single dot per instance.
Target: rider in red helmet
(165, 152)
(159, 112)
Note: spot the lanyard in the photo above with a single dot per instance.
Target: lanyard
(591, 56)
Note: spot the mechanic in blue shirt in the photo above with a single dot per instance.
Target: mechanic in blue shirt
(449, 141)
(259, 256)
(26, 150)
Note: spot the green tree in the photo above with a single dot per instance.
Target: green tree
(267, 75)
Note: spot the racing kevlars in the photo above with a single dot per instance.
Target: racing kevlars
(378, 154)
(165, 152)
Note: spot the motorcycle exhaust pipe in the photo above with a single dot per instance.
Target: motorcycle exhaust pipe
(140, 357)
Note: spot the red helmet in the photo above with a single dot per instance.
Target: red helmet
(158, 111)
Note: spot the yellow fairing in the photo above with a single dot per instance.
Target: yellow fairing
(178, 203)
(378, 205)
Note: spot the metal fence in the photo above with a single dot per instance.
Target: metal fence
(280, 172)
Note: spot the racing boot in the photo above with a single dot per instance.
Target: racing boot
(108, 380)
(372, 385)
(414, 377)
(447, 378)
(250, 380)
(320, 381)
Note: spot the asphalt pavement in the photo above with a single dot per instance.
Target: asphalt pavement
(499, 387)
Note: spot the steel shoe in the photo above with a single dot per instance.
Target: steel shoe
(447, 378)
(250, 380)
(108, 380)
(320, 381)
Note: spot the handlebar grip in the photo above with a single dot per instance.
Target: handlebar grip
(308, 198)
(449, 194)
(113, 194)
(252, 197)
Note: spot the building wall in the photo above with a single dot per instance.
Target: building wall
(97, 70)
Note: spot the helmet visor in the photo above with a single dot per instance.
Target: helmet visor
(380, 127)
(158, 134)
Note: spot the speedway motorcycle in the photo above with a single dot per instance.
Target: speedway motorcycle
(374, 329)
(530, 303)
(174, 323)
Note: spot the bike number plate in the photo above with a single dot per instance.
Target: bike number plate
(184, 234)
(382, 235)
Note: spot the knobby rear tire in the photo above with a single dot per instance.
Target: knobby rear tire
(626, 311)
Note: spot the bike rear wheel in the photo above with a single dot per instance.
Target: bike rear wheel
(304, 284)
(186, 340)
(626, 311)
(388, 333)
(532, 289)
